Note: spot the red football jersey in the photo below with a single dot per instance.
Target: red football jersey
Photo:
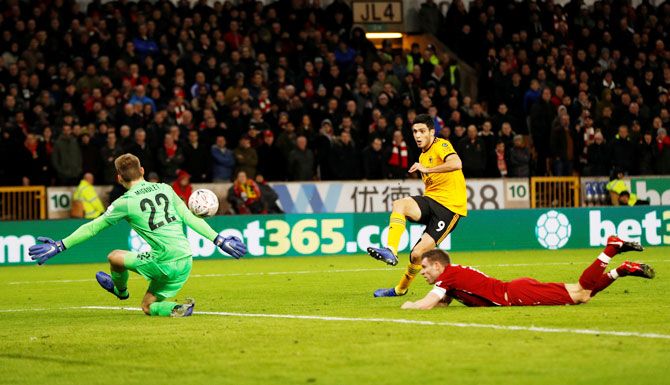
(470, 286)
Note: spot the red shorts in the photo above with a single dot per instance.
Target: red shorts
(531, 292)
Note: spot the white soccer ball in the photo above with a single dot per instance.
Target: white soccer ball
(553, 230)
(203, 203)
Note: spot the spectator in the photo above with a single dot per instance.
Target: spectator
(646, 155)
(33, 162)
(125, 141)
(109, 153)
(246, 157)
(374, 164)
(170, 159)
(268, 196)
(66, 158)
(301, 161)
(182, 185)
(324, 145)
(501, 160)
(245, 195)
(85, 200)
(519, 158)
(598, 157)
(196, 158)
(141, 149)
(140, 96)
(473, 154)
(562, 146)
(271, 163)
(623, 151)
(345, 158)
(90, 155)
(223, 161)
(542, 115)
(398, 159)
(663, 143)
(489, 140)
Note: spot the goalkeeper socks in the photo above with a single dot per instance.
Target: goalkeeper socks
(406, 280)
(396, 229)
(591, 276)
(162, 309)
(120, 280)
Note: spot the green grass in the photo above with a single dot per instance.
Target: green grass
(86, 346)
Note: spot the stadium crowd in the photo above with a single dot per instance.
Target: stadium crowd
(292, 91)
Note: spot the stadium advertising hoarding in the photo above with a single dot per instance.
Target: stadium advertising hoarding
(342, 197)
(329, 234)
(377, 196)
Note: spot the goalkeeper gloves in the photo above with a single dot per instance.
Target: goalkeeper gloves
(231, 245)
(41, 252)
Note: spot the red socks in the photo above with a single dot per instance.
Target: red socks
(593, 278)
(602, 283)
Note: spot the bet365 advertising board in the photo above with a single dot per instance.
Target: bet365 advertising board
(329, 234)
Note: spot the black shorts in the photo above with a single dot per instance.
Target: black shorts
(439, 220)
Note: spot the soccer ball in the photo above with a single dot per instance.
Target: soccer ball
(553, 230)
(203, 203)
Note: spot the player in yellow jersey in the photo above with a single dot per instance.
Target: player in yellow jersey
(443, 203)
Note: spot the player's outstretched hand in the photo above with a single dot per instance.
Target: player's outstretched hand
(231, 245)
(418, 167)
(41, 252)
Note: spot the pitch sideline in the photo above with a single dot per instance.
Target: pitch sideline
(536, 329)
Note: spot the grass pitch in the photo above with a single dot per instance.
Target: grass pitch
(47, 338)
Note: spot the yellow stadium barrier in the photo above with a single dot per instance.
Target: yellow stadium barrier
(22, 203)
(554, 191)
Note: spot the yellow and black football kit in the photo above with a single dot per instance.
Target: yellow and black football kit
(444, 201)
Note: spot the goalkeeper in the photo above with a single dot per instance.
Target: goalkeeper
(156, 213)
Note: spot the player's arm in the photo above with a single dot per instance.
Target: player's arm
(446, 152)
(231, 245)
(48, 248)
(426, 303)
(451, 163)
(432, 299)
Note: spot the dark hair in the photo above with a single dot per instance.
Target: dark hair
(437, 255)
(425, 119)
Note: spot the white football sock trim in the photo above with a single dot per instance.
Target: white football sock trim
(603, 257)
(613, 274)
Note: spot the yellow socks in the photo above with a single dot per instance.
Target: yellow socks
(406, 280)
(396, 229)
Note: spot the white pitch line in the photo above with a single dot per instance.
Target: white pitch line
(318, 271)
(537, 329)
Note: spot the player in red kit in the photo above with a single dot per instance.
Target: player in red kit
(474, 288)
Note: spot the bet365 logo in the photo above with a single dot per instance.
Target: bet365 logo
(553, 230)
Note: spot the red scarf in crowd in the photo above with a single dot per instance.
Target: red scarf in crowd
(502, 164)
(33, 149)
(249, 192)
(170, 151)
(183, 192)
(399, 155)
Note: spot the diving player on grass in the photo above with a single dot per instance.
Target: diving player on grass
(156, 213)
(474, 288)
(443, 203)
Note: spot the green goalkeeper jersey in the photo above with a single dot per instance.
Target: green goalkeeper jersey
(157, 214)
